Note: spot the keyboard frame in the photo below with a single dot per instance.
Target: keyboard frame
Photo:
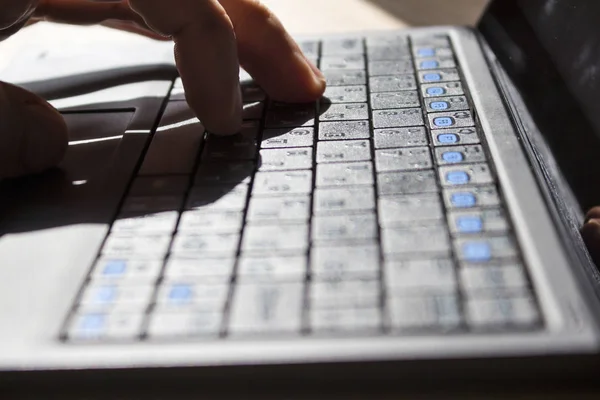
(565, 299)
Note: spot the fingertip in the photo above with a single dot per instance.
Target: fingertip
(594, 213)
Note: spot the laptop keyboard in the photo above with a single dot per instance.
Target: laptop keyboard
(374, 212)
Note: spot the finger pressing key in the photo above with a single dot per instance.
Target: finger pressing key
(206, 56)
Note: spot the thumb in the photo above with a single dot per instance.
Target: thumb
(33, 135)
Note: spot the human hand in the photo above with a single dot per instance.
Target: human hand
(212, 39)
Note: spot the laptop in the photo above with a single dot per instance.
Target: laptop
(419, 221)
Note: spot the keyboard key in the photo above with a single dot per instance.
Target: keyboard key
(407, 183)
(399, 211)
(389, 160)
(453, 103)
(435, 63)
(427, 51)
(282, 115)
(502, 312)
(209, 245)
(310, 48)
(345, 94)
(282, 182)
(416, 240)
(342, 47)
(343, 200)
(460, 154)
(388, 53)
(344, 130)
(353, 61)
(457, 119)
(242, 146)
(279, 209)
(404, 277)
(400, 137)
(345, 77)
(442, 89)
(392, 83)
(471, 197)
(345, 294)
(439, 75)
(343, 151)
(102, 326)
(130, 245)
(344, 263)
(279, 238)
(345, 112)
(476, 174)
(185, 294)
(344, 228)
(387, 40)
(445, 137)
(397, 67)
(119, 270)
(175, 145)
(159, 186)
(168, 325)
(428, 40)
(147, 204)
(224, 173)
(199, 221)
(435, 311)
(507, 275)
(107, 297)
(288, 137)
(483, 250)
(353, 320)
(164, 222)
(266, 308)
(272, 269)
(202, 269)
(484, 221)
(397, 118)
(392, 100)
(218, 198)
(344, 174)
(286, 159)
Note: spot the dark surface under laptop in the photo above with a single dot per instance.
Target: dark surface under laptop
(559, 95)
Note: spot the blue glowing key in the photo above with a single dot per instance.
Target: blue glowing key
(430, 64)
(106, 294)
(92, 322)
(448, 138)
(477, 251)
(432, 77)
(443, 122)
(453, 157)
(113, 268)
(457, 178)
(180, 293)
(426, 52)
(469, 224)
(439, 105)
(463, 200)
(436, 91)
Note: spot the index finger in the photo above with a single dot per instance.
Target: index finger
(206, 56)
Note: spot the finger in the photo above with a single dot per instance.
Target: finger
(270, 55)
(33, 135)
(590, 233)
(206, 56)
(133, 27)
(84, 12)
(594, 213)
